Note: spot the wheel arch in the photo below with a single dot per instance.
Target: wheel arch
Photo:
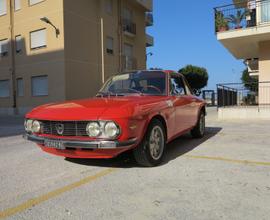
(162, 120)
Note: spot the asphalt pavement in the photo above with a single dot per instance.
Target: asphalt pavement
(225, 175)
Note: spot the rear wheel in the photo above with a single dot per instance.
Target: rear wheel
(151, 150)
(199, 130)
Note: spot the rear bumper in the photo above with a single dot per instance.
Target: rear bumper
(67, 144)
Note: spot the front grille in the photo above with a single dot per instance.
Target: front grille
(70, 128)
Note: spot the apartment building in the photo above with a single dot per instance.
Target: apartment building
(56, 50)
(244, 29)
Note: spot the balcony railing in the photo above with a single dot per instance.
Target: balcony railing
(242, 15)
(247, 94)
(129, 63)
(149, 20)
(129, 27)
(149, 41)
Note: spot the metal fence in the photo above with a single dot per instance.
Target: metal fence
(240, 94)
(241, 15)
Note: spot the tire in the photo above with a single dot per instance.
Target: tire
(199, 130)
(150, 151)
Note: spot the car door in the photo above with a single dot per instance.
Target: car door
(181, 103)
(193, 107)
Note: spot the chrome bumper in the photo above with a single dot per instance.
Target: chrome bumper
(80, 144)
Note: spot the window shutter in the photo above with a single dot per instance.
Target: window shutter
(17, 5)
(109, 45)
(19, 45)
(3, 7)
(4, 88)
(32, 2)
(38, 38)
(3, 46)
(40, 85)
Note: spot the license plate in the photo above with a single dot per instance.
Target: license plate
(54, 144)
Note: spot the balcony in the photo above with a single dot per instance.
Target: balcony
(240, 27)
(129, 63)
(146, 4)
(149, 41)
(149, 20)
(129, 28)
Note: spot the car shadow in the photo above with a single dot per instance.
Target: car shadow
(175, 149)
(186, 143)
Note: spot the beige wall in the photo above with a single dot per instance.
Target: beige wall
(82, 48)
(73, 60)
(83, 52)
(5, 62)
(46, 61)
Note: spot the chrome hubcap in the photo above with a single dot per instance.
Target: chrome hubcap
(156, 144)
(202, 124)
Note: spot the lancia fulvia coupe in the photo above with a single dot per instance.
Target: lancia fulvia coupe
(138, 111)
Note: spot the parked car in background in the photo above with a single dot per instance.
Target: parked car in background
(140, 111)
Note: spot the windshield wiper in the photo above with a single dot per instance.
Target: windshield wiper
(108, 94)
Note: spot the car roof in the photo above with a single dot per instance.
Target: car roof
(164, 71)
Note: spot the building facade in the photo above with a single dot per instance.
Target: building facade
(56, 50)
(244, 29)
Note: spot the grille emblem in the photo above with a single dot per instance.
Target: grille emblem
(59, 128)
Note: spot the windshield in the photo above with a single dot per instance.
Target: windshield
(140, 82)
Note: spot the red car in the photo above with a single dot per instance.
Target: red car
(140, 111)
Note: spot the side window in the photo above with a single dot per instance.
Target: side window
(177, 86)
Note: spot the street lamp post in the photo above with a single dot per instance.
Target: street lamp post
(47, 20)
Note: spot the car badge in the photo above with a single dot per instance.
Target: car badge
(169, 103)
(59, 128)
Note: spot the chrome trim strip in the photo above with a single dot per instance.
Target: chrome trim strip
(82, 144)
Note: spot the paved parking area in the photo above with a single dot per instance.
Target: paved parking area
(225, 175)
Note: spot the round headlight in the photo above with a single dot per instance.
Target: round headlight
(28, 125)
(36, 127)
(93, 129)
(111, 130)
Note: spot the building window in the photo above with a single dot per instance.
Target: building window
(128, 50)
(4, 88)
(40, 86)
(19, 42)
(20, 87)
(109, 45)
(109, 6)
(33, 2)
(127, 14)
(17, 5)
(38, 39)
(3, 47)
(3, 7)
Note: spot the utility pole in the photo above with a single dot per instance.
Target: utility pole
(13, 64)
(120, 34)
(102, 50)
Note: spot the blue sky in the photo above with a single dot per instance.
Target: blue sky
(184, 34)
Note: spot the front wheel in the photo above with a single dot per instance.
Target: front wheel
(199, 130)
(150, 152)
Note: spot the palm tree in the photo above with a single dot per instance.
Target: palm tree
(237, 19)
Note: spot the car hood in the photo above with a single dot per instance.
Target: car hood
(94, 109)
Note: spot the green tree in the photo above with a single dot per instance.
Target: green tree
(197, 77)
(249, 82)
